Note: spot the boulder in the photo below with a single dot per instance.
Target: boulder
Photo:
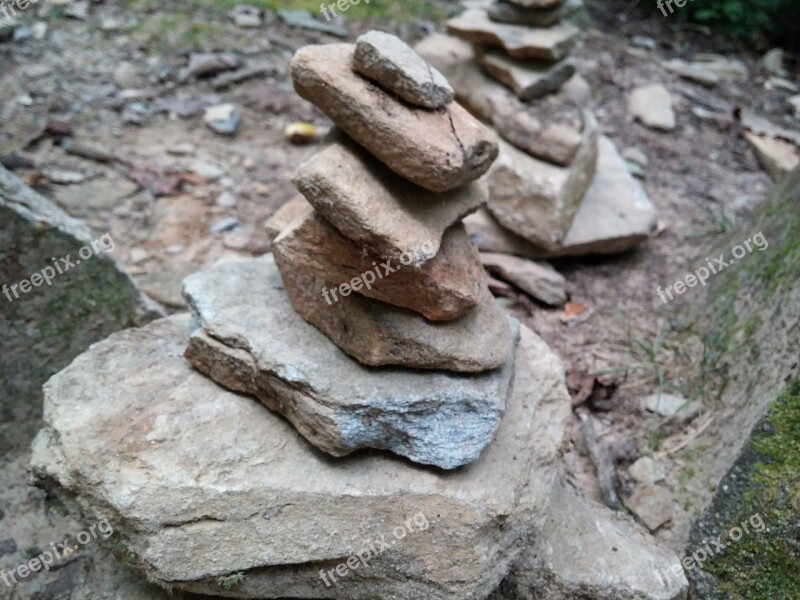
(393, 64)
(537, 200)
(505, 11)
(378, 334)
(437, 150)
(378, 209)
(588, 551)
(528, 79)
(536, 279)
(615, 214)
(62, 290)
(209, 492)
(545, 43)
(446, 287)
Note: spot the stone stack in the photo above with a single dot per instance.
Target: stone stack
(208, 492)
(558, 188)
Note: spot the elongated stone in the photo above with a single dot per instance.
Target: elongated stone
(378, 209)
(546, 43)
(506, 11)
(528, 79)
(437, 150)
(446, 287)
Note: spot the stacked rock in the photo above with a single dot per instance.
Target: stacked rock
(558, 188)
(375, 257)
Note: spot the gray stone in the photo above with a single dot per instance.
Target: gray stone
(339, 405)
(550, 43)
(692, 71)
(537, 279)
(504, 11)
(60, 309)
(648, 471)
(304, 20)
(489, 236)
(587, 551)
(376, 208)
(223, 119)
(211, 493)
(615, 214)
(393, 64)
(437, 150)
(528, 79)
(652, 505)
(537, 200)
(447, 286)
(671, 405)
(379, 334)
(652, 105)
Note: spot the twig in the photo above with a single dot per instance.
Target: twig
(602, 461)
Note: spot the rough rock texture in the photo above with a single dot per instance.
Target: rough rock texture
(587, 551)
(549, 128)
(210, 492)
(378, 334)
(778, 157)
(489, 236)
(538, 200)
(550, 43)
(393, 64)
(376, 208)
(615, 214)
(539, 280)
(652, 105)
(43, 327)
(437, 150)
(285, 215)
(446, 287)
(505, 11)
(528, 79)
(337, 404)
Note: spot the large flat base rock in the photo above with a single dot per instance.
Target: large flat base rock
(251, 340)
(208, 491)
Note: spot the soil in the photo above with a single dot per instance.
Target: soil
(703, 178)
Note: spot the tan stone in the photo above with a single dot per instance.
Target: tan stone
(528, 79)
(506, 11)
(538, 200)
(536, 279)
(546, 43)
(285, 215)
(778, 157)
(376, 208)
(375, 333)
(438, 150)
(446, 287)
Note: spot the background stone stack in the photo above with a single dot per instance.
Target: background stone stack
(558, 188)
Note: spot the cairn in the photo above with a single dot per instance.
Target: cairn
(369, 328)
(558, 188)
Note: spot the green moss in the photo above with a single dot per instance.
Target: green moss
(765, 564)
(404, 11)
(228, 582)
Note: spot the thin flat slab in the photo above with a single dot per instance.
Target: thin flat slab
(377, 208)
(505, 11)
(538, 200)
(537, 279)
(251, 340)
(489, 236)
(437, 150)
(446, 287)
(528, 79)
(545, 43)
(378, 334)
(209, 492)
(392, 64)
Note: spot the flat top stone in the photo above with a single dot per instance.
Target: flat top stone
(393, 64)
(528, 79)
(205, 482)
(652, 105)
(377, 208)
(437, 150)
(548, 43)
(505, 11)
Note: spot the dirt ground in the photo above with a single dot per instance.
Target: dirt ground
(703, 177)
